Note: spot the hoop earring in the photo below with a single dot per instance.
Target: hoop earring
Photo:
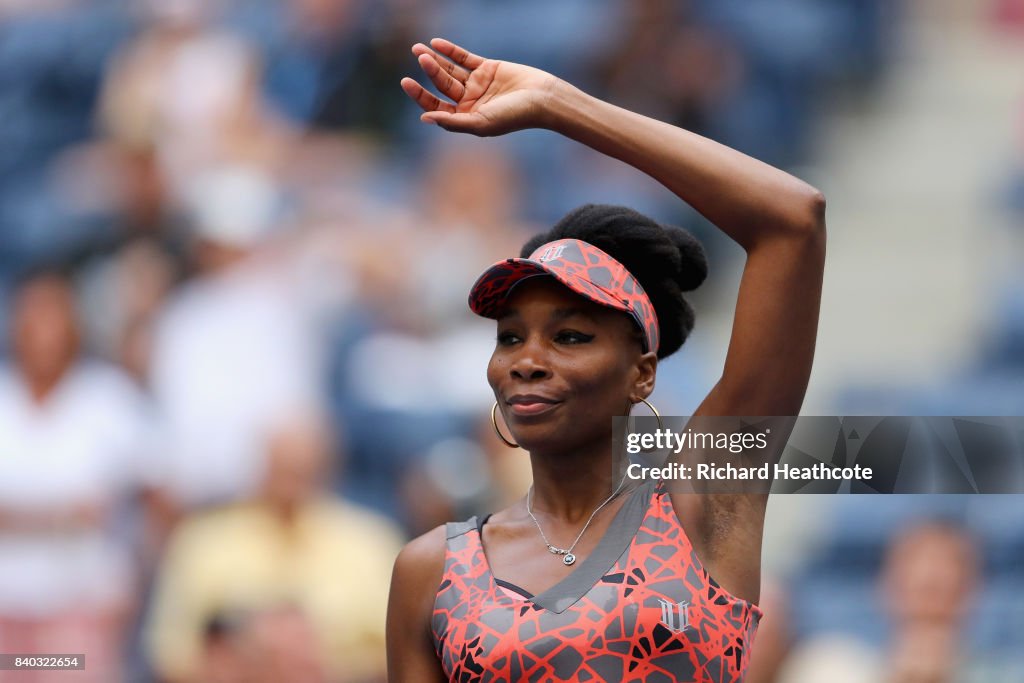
(494, 422)
(653, 410)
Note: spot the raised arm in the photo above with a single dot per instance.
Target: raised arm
(776, 218)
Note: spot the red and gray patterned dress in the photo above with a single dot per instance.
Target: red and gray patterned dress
(641, 607)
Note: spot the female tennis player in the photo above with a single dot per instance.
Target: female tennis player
(591, 577)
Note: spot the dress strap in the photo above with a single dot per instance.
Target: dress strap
(456, 529)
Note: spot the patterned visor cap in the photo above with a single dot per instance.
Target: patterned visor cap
(581, 267)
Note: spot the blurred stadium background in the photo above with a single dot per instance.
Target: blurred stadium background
(239, 371)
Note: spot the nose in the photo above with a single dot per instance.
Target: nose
(529, 362)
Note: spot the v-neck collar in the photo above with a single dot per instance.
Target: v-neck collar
(616, 540)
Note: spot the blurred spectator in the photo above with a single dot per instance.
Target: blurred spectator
(126, 294)
(74, 451)
(135, 253)
(413, 361)
(128, 124)
(696, 70)
(294, 543)
(280, 644)
(222, 658)
(234, 345)
(269, 645)
(52, 59)
(928, 585)
(324, 57)
(191, 92)
(465, 219)
(558, 37)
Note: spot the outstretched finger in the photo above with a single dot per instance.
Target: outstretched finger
(459, 55)
(449, 87)
(427, 100)
(453, 69)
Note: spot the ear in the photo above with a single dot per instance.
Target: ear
(643, 382)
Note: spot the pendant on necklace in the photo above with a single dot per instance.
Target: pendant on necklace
(569, 559)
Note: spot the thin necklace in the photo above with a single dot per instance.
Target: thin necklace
(567, 557)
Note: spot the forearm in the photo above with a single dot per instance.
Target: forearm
(746, 198)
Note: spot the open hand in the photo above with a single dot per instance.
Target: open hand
(488, 97)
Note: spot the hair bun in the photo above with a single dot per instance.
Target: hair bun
(666, 260)
(693, 267)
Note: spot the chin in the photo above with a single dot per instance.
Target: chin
(540, 437)
(548, 438)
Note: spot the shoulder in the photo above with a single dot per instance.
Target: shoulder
(421, 560)
(414, 584)
(417, 575)
(211, 526)
(360, 526)
(105, 396)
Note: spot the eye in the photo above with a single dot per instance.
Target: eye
(507, 338)
(573, 337)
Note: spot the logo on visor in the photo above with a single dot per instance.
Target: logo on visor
(551, 253)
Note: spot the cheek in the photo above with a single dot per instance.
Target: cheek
(603, 381)
(496, 370)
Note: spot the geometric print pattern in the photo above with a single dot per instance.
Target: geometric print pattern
(655, 617)
(580, 266)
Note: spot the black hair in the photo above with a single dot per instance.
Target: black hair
(666, 260)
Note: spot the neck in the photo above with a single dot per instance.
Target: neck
(286, 513)
(569, 486)
(41, 385)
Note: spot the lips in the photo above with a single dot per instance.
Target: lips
(531, 404)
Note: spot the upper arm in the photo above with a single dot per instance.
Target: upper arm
(771, 350)
(767, 368)
(414, 582)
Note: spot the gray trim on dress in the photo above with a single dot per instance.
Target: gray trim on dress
(456, 529)
(616, 540)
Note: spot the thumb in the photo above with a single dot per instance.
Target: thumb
(454, 122)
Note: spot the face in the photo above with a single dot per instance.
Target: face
(930, 575)
(563, 366)
(296, 461)
(44, 328)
